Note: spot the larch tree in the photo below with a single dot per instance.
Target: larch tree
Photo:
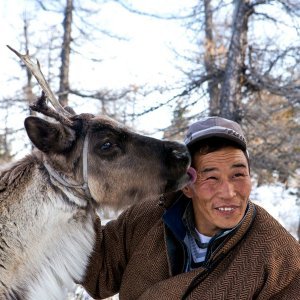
(243, 64)
(249, 76)
(64, 85)
(62, 29)
(253, 77)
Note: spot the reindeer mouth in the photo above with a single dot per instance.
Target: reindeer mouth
(174, 185)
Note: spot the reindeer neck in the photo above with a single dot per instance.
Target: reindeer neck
(78, 192)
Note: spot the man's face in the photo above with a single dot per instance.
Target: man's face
(221, 191)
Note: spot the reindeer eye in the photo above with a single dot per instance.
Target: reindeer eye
(106, 146)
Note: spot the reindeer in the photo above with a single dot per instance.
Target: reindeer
(49, 199)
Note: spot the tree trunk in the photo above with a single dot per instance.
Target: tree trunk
(64, 86)
(209, 59)
(29, 96)
(230, 97)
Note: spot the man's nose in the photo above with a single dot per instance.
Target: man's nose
(227, 190)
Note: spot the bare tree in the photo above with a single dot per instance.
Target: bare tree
(231, 91)
(246, 73)
(64, 85)
(210, 59)
(65, 42)
(29, 96)
(5, 147)
(250, 78)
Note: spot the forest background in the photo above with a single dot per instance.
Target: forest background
(157, 66)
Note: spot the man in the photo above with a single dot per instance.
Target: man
(208, 241)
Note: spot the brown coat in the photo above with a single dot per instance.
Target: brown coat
(260, 261)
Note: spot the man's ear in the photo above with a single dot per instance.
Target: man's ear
(187, 190)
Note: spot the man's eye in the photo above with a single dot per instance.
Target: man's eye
(239, 175)
(106, 146)
(211, 178)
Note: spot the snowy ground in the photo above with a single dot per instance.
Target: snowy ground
(276, 199)
(281, 203)
(80, 294)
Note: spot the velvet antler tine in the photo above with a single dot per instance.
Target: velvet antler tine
(41, 106)
(35, 69)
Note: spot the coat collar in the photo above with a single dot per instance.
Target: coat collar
(173, 216)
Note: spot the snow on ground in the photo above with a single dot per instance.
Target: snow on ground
(81, 294)
(281, 203)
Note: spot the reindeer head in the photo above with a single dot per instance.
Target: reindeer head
(109, 163)
(100, 160)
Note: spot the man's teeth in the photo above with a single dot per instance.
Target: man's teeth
(225, 208)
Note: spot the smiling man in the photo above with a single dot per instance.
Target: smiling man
(220, 193)
(208, 241)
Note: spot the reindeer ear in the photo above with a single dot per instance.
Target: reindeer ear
(49, 137)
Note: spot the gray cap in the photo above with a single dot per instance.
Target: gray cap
(215, 127)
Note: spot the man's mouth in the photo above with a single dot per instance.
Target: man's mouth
(226, 209)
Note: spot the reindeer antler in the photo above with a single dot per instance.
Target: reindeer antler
(59, 113)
